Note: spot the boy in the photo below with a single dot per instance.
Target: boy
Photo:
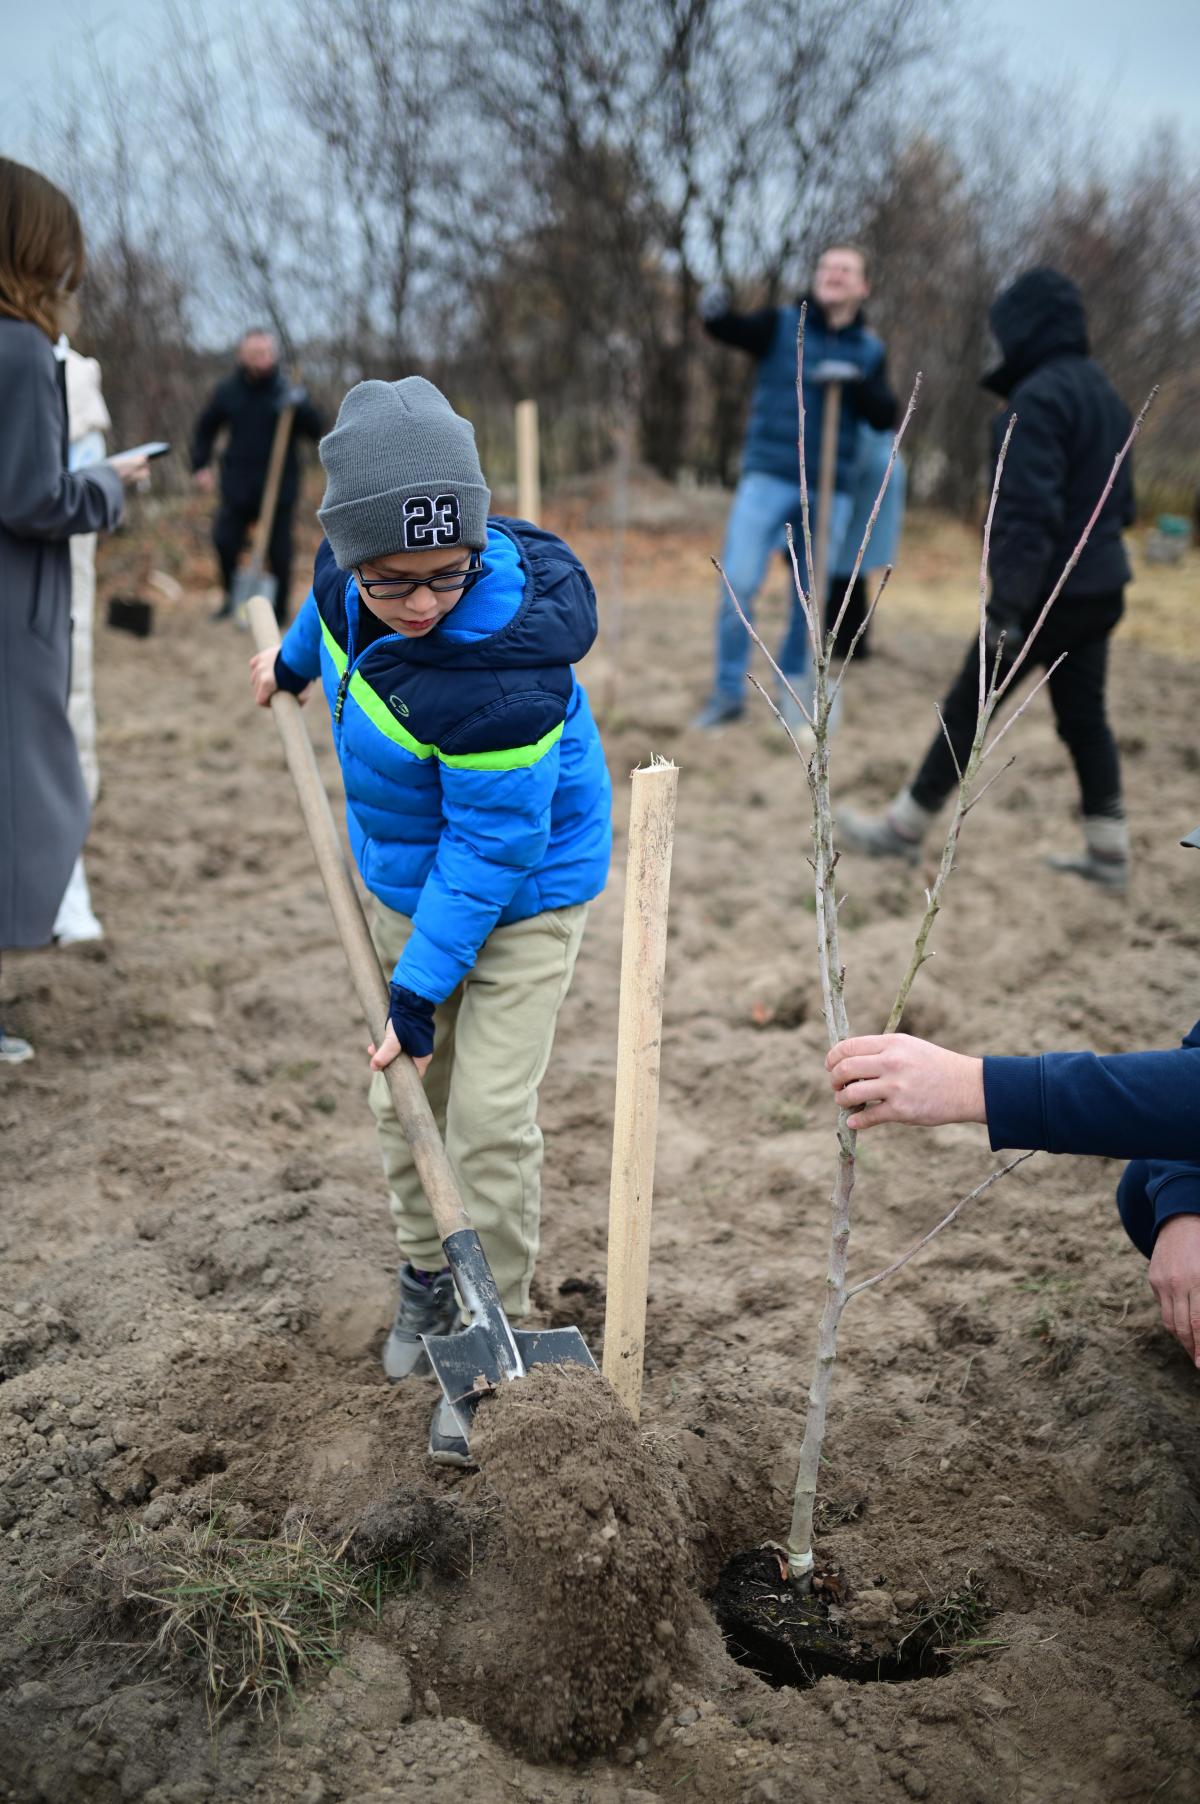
(479, 810)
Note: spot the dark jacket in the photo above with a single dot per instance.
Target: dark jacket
(1133, 1105)
(250, 408)
(774, 424)
(43, 801)
(1070, 425)
(476, 788)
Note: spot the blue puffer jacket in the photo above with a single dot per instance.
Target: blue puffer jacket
(476, 788)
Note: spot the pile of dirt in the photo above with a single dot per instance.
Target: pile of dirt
(593, 1588)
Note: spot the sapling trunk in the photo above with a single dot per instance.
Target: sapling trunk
(994, 684)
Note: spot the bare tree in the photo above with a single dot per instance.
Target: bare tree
(995, 682)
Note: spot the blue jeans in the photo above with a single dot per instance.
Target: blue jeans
(762, 508)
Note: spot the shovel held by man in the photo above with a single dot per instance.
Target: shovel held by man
(831, 376)
(254, 579)
(489, 1351)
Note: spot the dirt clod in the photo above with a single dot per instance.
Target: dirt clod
(595, 1551)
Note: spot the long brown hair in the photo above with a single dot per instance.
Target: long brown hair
(41, 247)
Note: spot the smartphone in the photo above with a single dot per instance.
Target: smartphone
(155, 448)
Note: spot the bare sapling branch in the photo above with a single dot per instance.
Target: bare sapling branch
(1075, 556)
(742, 615)
(800, 1557)
(889, 1271)
(991, 690)
(864, 626)
(984, 560)
(804, 590)
(874, 514)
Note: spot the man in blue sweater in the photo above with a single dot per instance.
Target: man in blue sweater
(768, 493)
(1141, 1106)
(478, 805)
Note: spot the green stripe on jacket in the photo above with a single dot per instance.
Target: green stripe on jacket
(517, 757)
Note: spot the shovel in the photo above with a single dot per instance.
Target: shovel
(490, 1351)
(831, 375)
(253, 579)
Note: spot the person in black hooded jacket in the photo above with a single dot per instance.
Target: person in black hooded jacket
(248, 404)
(1070, 426)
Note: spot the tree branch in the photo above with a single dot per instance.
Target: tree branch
(890, 1270)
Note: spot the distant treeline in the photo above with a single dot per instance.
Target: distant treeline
(530, 201)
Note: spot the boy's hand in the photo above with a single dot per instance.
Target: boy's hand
(387, 1052)
(262, 676)
(262, 679)
(1175, 1280)
(894, 1077)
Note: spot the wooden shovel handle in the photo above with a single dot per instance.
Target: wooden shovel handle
(270, 499)
(407, 1091)
(830, 423)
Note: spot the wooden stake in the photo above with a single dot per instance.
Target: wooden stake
(529, 479)
(639, 1040)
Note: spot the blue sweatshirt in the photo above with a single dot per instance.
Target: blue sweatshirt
(1132, 1105)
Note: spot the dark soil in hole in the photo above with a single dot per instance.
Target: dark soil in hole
(791, 1638)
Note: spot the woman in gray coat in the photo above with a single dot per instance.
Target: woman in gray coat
(43, 802)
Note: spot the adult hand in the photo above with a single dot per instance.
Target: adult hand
(388, 1050)
(894, 1077)
(1175, 1280)
(203, 480)
(132, 470)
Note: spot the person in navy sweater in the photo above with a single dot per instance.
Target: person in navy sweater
(768, 492)
(1140, 1106)
(479, 810)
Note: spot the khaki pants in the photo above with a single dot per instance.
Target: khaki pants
(492, 1041)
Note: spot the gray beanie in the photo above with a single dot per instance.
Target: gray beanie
(401, 474)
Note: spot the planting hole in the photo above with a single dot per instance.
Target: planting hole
(789, 1638)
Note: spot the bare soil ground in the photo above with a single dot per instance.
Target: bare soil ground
(198, 1264)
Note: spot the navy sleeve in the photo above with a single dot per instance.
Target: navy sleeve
(751, 332)
(1132, 1105)
(1173, 1189)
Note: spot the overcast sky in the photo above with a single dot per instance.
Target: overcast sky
(1138, 62)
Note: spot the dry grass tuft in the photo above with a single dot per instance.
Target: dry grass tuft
(252, 1616)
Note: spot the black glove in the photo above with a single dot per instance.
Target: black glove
(412, 1017)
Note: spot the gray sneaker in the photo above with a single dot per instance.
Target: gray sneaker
(718, 711)
(875, 834)
(14, 1051)
(1109, 873)
(422, 1309)
(1105, 857)
(447, 1443)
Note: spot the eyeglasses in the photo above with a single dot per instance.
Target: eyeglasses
(446, 582)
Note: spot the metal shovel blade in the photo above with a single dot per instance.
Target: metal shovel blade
(490, 1352)
(250, 582)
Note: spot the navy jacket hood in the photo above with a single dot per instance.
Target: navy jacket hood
(555, 623)
(1040, 316)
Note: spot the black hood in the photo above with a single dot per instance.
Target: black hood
(1039, 317)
